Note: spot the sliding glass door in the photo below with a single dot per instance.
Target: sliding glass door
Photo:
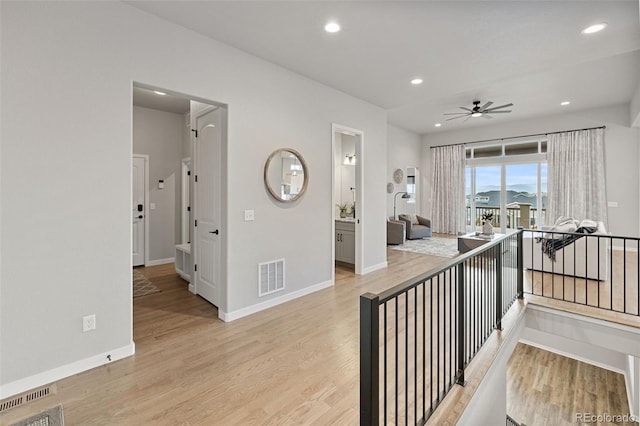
(509, 181)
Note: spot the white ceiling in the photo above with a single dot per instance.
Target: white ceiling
(530, 53)
(146, 98)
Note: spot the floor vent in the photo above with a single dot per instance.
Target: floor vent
(25, 398)
(270, 277)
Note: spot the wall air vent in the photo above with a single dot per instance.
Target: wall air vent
(25, 398)
(270, 277)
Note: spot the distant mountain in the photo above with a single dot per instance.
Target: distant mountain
(492, 199)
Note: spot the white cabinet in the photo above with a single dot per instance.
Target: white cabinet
(184, 264)
(345, 241)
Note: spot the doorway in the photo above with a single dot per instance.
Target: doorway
(186, 225)
(347, 197)
(139, 192)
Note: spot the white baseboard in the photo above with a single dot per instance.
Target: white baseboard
(58, 373)
(374, 268)
(234, 315)
(160, 261)
(616, 247)
(192, 289)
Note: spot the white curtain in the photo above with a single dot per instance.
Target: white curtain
(576, 181)
(447, 189)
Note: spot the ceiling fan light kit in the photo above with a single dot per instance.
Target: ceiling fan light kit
(480, 111)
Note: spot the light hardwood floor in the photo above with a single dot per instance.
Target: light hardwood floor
(544, 388)
(296, 363)
(618, 296)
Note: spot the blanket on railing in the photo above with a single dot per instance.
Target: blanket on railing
(568, 233)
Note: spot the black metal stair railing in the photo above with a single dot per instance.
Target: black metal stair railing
(417, 338)
(594, 270)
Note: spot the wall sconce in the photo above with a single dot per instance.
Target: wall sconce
(350, 160)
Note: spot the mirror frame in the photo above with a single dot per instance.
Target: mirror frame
(305, 170)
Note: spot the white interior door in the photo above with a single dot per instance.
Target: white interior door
(207, 182)
(137, 210)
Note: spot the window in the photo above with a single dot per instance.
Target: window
(508, 180)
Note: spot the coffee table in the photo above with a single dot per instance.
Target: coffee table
(471, 241)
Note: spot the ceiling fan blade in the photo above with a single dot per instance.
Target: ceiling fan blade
(487, 116)
(466, 109)
(498, 107)
(454, 118)
(455, 113)
(496, 112)
(485, 106)
(467, 119)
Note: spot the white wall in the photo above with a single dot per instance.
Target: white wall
(403, 150)
(158, 134)
(621, 154)
(66, 230)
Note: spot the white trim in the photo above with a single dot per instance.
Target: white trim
(584, 318)
(185, 184)
(631, 377)
(373, 268)
(58, 373)
(234, 315)
(571, 355)
(145, 157)
(621, 248)
(160, 261)
(360, 248)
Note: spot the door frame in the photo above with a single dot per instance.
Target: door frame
(185, 182)
(145, 157)
(340, 128)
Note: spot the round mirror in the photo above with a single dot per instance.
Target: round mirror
(286, 175)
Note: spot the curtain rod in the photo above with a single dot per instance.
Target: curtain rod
(523, 136)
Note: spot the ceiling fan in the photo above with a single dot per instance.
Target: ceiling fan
(479, 111)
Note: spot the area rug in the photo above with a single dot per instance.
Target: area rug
(434, 246)
(51, 417)
(142, 286)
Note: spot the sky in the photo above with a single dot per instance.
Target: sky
(520, 177)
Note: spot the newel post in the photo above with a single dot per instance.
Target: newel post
(369, 359)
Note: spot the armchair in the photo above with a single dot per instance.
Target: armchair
(416, 226)
(395, 231)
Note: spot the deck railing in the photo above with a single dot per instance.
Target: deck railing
(523, 216)
(417, 338)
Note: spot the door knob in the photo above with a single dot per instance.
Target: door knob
(140, 217)
(214, 232)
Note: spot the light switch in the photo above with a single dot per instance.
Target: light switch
(248, 215)
(152, 206)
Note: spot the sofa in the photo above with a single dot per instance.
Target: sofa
(586, 257)
(395, 231)
(416, 226)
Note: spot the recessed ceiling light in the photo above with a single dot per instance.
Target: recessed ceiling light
(565, 103)
(416, 81)
(595, 28)
(438, 125)
(157, 92)
(332, 27)
(476, 114)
